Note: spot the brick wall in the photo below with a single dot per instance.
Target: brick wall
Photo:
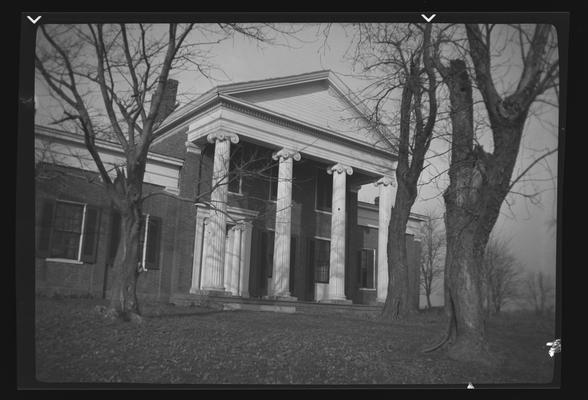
(95, 279)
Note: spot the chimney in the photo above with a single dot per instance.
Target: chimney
(168, 101)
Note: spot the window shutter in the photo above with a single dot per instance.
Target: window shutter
(360, 268)
(153, 241)
(44, 238)
(91, 235)
(114, 238)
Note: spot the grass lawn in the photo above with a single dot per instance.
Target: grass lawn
(191, 345)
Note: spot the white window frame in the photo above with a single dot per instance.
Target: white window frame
(325, 239)
(316, 209)
(78, 260)
(373, 270)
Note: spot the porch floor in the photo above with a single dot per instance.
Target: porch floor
(285, 306)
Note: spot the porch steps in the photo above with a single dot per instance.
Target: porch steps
(282, 306)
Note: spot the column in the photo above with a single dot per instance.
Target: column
(386, 185)
(336, 290)
(213, 266)
(281, 267)
(236, 259)
(229, 255)
(245, 259)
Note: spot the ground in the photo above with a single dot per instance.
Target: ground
(193, 345)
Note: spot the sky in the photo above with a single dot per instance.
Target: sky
(529, 227)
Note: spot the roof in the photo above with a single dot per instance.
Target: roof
(248, 94)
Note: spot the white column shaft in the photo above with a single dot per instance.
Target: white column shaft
(228, 265)
(385, 208)
(213, 277)
(337, 262)
(236, 260)
(245, 259)
(281, 270)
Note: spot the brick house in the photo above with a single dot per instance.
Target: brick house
(251, 191)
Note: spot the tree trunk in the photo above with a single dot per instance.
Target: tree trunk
(466, 228)
(429, 306)
(123, 300)
(397, 305)
(126, 194)
(464, 243)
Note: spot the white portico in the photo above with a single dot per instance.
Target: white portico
(310, 116)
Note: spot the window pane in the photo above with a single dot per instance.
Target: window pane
(367, 269)
(324, 191)
(68, 217)
(322, 260)
(67, 228)
(65, 245)
(235, 166)
(370, 269)
(273, 184)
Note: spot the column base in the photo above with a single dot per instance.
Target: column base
(212, 292)
(336, 301)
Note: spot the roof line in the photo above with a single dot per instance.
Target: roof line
(246, 86)
(261, 84)
(102, 144)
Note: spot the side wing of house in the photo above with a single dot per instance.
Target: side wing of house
(78, 230)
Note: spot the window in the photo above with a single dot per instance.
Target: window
(367, 268)
(267, 246)
(324, 191)
(320, 255)
(150, 233)
(273, 182)
(236, 165)
(68, 231)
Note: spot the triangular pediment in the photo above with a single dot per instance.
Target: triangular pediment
(317, 99)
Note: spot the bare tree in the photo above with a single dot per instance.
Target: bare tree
(432, 252)
(400, 56)
(500, 275)
(539, 292)
(480, 180)
(102, 76)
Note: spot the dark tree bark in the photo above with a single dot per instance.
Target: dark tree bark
(398, 304)
(127, 195)
(479, 183)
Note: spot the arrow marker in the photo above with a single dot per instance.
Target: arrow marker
(34, 20)
(428, 19)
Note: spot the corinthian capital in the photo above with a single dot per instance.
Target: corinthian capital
(220, 136)
(340, 168)
(385, 180)
(285, 154)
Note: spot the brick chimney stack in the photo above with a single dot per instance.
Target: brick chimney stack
(168, 102)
